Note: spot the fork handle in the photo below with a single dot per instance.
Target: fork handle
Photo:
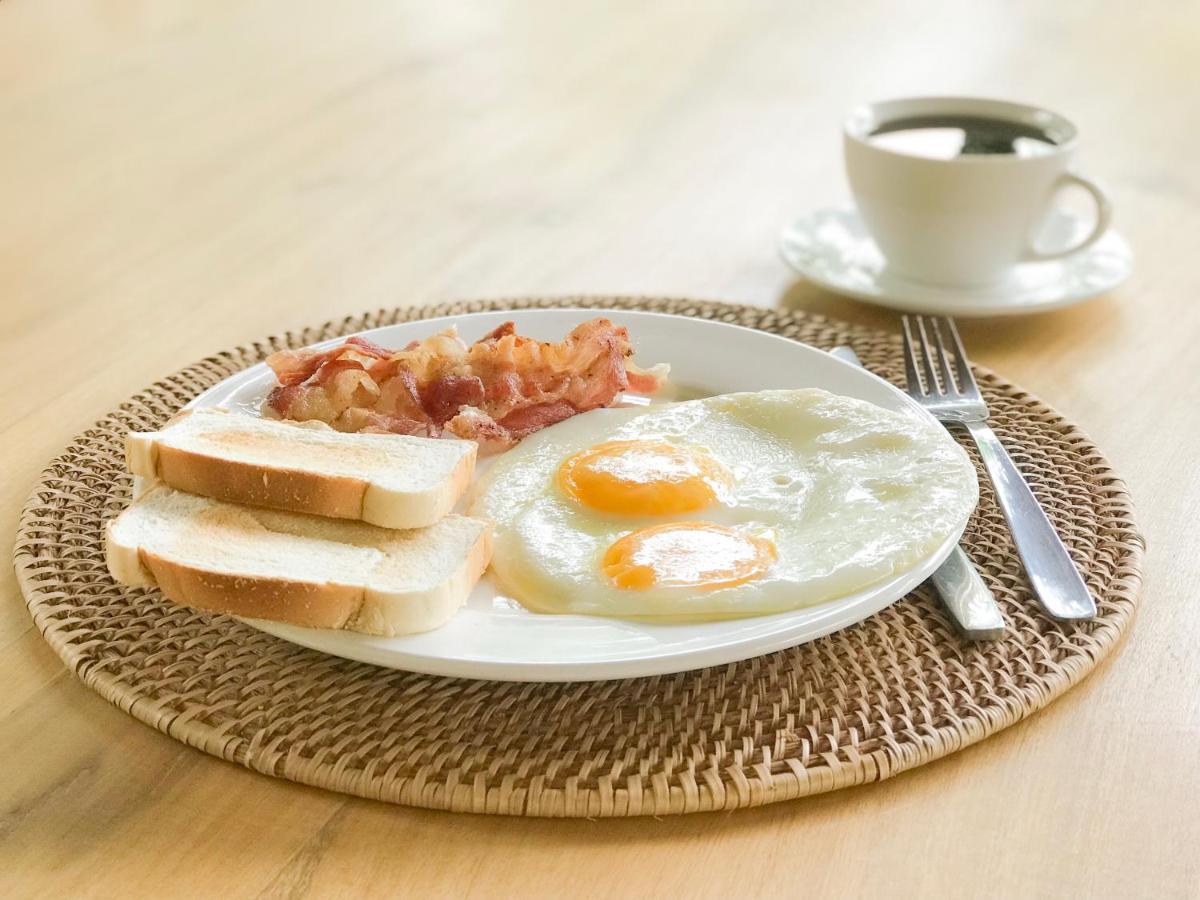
(1055, 579)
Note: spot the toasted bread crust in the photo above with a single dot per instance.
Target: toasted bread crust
(387, 615)
(293, 489)
(296, 602)
(304, 603)
(383, 508)
(335, 496)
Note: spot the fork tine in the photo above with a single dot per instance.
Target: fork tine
(926, 359)
(966, 379)
(943, 366)
(912, 379)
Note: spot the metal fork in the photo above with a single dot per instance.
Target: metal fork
(956, 400)
(965, 597)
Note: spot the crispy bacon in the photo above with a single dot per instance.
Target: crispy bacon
(293, 367)
(443, 397)
(529, 419)
(364, 420)
(329, 370)
(473, 424)
(370, 348)
(281, 398)
(500, 331)
(646, 381)
(495, 391)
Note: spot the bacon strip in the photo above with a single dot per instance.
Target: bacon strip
(528, 419)
(443, 397)
(495, 391)
(500, 331)
(293, 367)
(329, 370)
(370, 348)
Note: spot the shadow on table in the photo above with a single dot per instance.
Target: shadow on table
(1095, 321)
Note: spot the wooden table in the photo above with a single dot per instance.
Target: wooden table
(180, 177)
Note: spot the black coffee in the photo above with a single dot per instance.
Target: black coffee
(949, 137)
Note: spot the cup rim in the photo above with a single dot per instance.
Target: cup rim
(865, 117)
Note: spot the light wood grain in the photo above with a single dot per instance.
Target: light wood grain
(179, 177)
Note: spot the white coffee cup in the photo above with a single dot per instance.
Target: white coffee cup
(966, 220)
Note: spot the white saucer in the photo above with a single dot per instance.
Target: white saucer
(831, 247)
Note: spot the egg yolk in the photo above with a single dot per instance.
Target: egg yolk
(697, 555)
(643, 478)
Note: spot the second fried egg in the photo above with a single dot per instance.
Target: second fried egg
(742, 504)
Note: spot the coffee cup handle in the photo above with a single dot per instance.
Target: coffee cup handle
(1103, 217)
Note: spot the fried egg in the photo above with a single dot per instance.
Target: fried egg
(741, 504)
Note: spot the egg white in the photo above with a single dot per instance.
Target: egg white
(848, 492)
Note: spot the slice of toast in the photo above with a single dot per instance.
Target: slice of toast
(390, 480)
(304, 570)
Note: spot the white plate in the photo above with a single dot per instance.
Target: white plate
(495, 638)
(832, 248)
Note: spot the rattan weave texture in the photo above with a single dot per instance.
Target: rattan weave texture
(889, 694)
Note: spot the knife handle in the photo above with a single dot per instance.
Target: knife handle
(967, 599)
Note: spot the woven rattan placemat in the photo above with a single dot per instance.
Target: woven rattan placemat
(891, 693)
